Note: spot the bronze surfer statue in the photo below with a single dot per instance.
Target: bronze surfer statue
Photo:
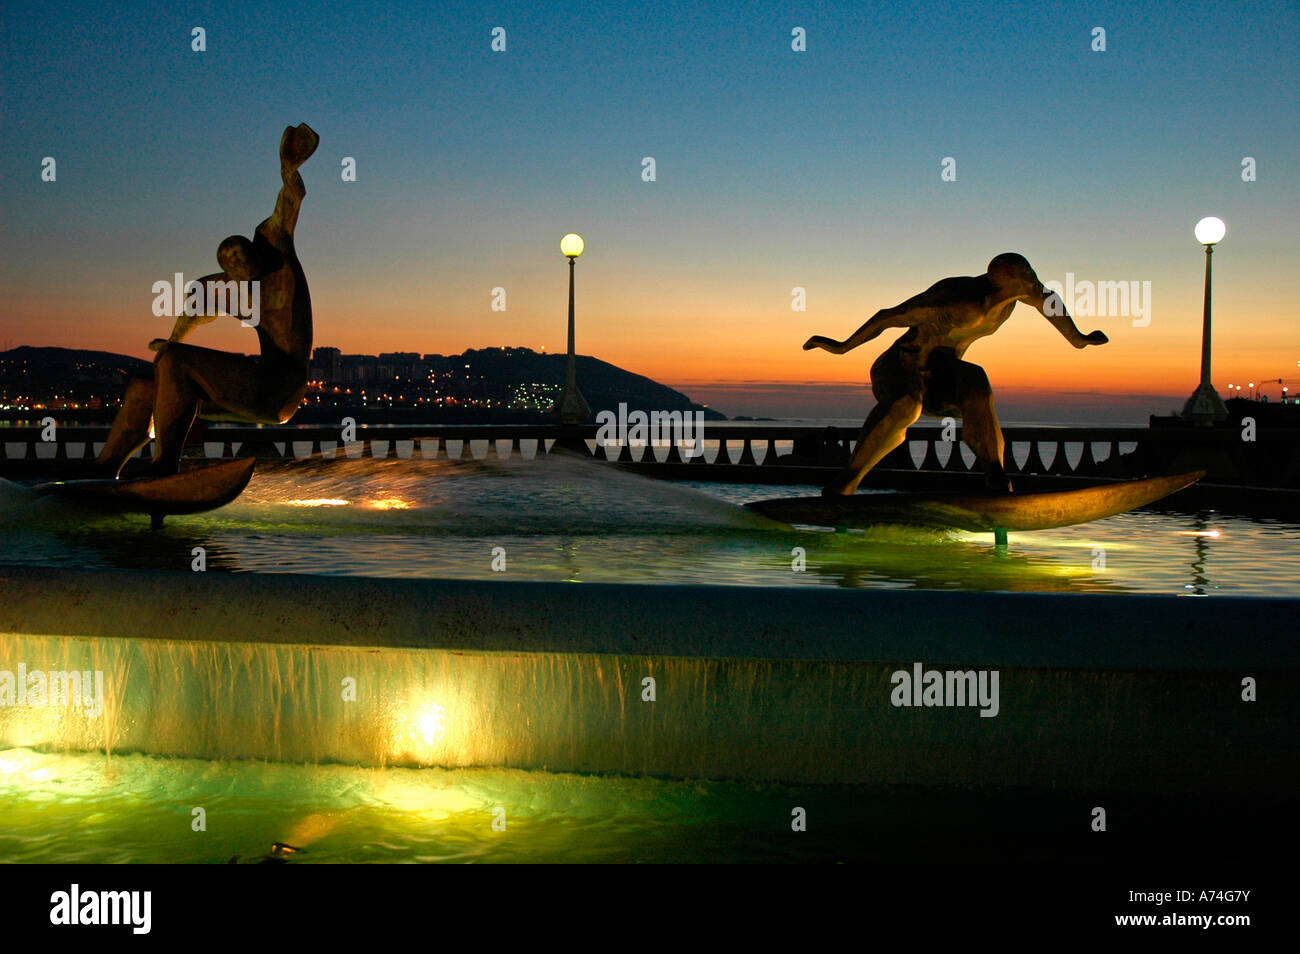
(189, 381)
(923, 371)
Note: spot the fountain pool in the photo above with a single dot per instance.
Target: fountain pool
(556, 660)
(562, 520)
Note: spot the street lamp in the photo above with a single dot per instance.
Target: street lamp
(572, 245)
(572, 409)
(1205, 407)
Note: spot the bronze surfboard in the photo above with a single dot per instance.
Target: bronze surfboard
(991, 512)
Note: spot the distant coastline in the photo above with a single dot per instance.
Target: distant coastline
(516, 386)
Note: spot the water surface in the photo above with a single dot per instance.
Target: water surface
(561, 519)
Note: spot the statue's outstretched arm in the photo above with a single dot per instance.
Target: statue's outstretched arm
(1052, 308)
(902, 316)
(185, 323)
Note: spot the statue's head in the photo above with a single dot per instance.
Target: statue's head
(1013, 272)
(235, 255)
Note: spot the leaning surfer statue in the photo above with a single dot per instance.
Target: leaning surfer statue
(190, 381)
(923, 371)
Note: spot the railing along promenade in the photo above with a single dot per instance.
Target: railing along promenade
(761, 453)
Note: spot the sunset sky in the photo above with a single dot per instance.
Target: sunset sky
(774, 169)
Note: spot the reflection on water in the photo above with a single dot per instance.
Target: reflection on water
(57, 808)
(563, 519)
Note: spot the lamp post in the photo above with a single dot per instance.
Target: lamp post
(1205, 407)
(571, 408)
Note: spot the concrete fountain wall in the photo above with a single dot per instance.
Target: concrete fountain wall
(1137, 692)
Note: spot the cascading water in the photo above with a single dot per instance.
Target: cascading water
(682, 717)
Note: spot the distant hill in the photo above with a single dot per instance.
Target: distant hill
(499, 385)
(604, 385)
(64, 377)
(74, 363)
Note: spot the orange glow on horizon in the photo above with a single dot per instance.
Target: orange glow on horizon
(743, 331)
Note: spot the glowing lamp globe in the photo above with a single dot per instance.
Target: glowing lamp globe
(1210, 230)
(572, 244)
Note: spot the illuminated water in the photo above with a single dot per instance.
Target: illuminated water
(253, 735)
(566, 520)
(57, 808)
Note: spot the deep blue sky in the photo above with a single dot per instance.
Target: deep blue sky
(775, 169)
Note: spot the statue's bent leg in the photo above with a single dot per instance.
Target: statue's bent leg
(186, 376)
(980, 428)
(898, 386)
(176, 401)
(130, 429)
(884, 429)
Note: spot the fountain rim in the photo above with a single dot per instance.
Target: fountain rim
(1087, 631)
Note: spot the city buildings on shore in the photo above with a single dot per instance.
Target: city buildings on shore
(410, 379)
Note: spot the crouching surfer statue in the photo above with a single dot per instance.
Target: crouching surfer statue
(190, 381)
(923, 371)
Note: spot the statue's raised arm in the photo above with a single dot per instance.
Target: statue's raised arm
(296, 147)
